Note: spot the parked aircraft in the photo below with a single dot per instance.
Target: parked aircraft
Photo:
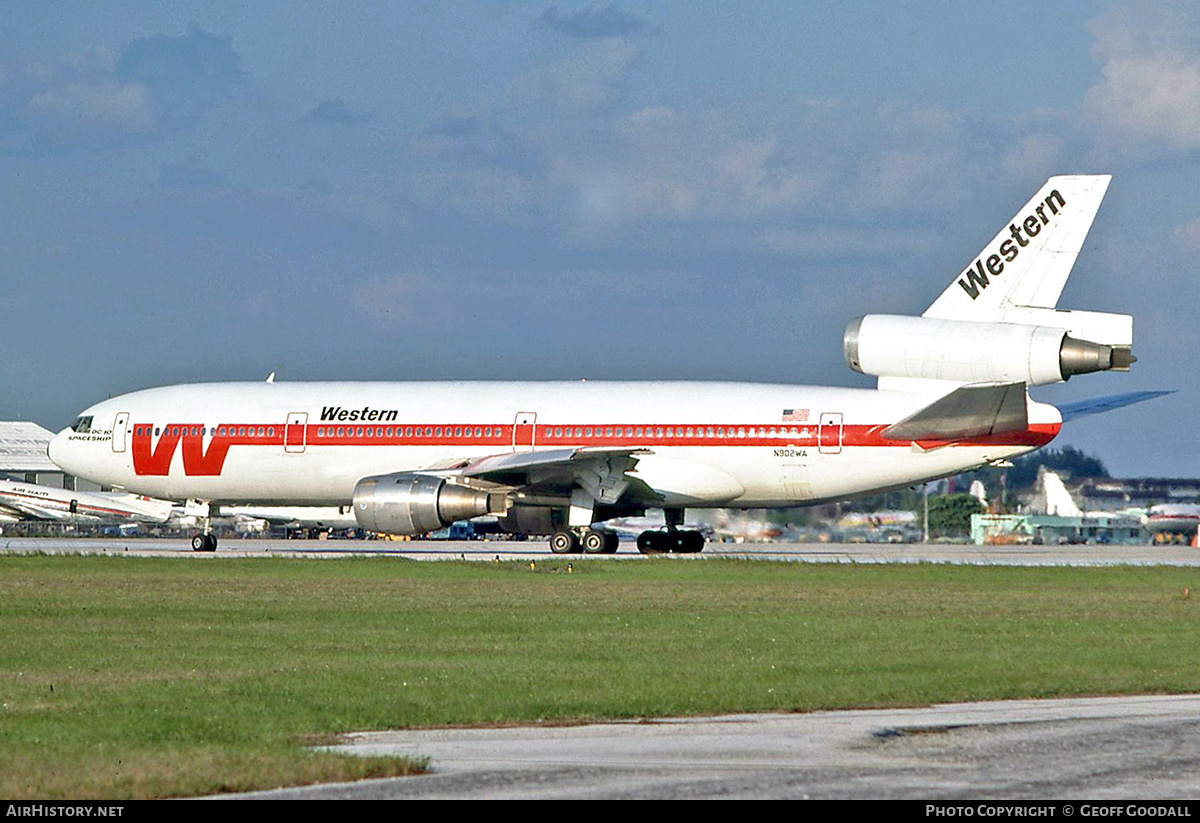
(1174, 518)
(284, 517)
(562, 458)
(30, 501)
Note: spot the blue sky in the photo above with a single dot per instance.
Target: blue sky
(480, 190)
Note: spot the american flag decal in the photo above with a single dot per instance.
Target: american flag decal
(795, 415)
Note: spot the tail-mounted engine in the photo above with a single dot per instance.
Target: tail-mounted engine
(407, 503)
(965, 351)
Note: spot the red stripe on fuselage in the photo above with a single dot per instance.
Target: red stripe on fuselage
(153, 457)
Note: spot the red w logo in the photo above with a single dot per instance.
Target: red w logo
(155, 459)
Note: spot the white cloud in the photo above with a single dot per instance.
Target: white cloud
(83, 106)
(1149, 90)
(595, 78)
(1036, 154)
(97, 98)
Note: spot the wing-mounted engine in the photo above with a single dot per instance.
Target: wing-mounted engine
(969, 351)
(412, 503)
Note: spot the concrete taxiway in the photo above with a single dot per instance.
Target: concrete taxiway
(1127, 748)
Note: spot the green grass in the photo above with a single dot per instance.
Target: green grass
(129, 677)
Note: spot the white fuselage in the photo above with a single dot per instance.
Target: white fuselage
(705, 444)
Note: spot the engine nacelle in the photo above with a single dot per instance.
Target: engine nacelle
(888, 345)
(408, 503)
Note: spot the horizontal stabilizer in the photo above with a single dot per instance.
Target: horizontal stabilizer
(974, 410)
(1097, 405)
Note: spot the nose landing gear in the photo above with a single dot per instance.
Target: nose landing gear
(204, 542)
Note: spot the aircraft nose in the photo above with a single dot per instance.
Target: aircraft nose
(56, 448)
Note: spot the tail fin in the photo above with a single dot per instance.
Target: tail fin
(1027, 263)
(1011, 288)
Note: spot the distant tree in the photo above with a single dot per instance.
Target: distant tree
(950, 514)
(1073, 464)
(1067, 460)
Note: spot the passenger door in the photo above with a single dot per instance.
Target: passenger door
(524, 428)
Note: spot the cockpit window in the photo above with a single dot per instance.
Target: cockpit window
(82, 425)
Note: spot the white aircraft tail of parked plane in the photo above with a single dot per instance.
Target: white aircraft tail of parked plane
(561, 458)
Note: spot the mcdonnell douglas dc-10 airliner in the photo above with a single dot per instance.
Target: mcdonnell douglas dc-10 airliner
(559, 459)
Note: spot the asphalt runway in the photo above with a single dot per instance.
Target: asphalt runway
(492, 550)
(1119, 748)
(1123, 748)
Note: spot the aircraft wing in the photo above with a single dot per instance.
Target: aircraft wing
(600, 471)
(26, 510)
(974, 410)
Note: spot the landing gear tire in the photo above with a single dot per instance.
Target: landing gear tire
(689, 542)
(204, 543)
(680, 542)
(653, 543)
(564, 542)
(611, 542)
(594, 542)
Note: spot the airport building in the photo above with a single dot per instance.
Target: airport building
(1110, 493)
(23, 457)
(1055, 530)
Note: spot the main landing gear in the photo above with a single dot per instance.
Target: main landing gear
(671, 540)
(587, 540)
